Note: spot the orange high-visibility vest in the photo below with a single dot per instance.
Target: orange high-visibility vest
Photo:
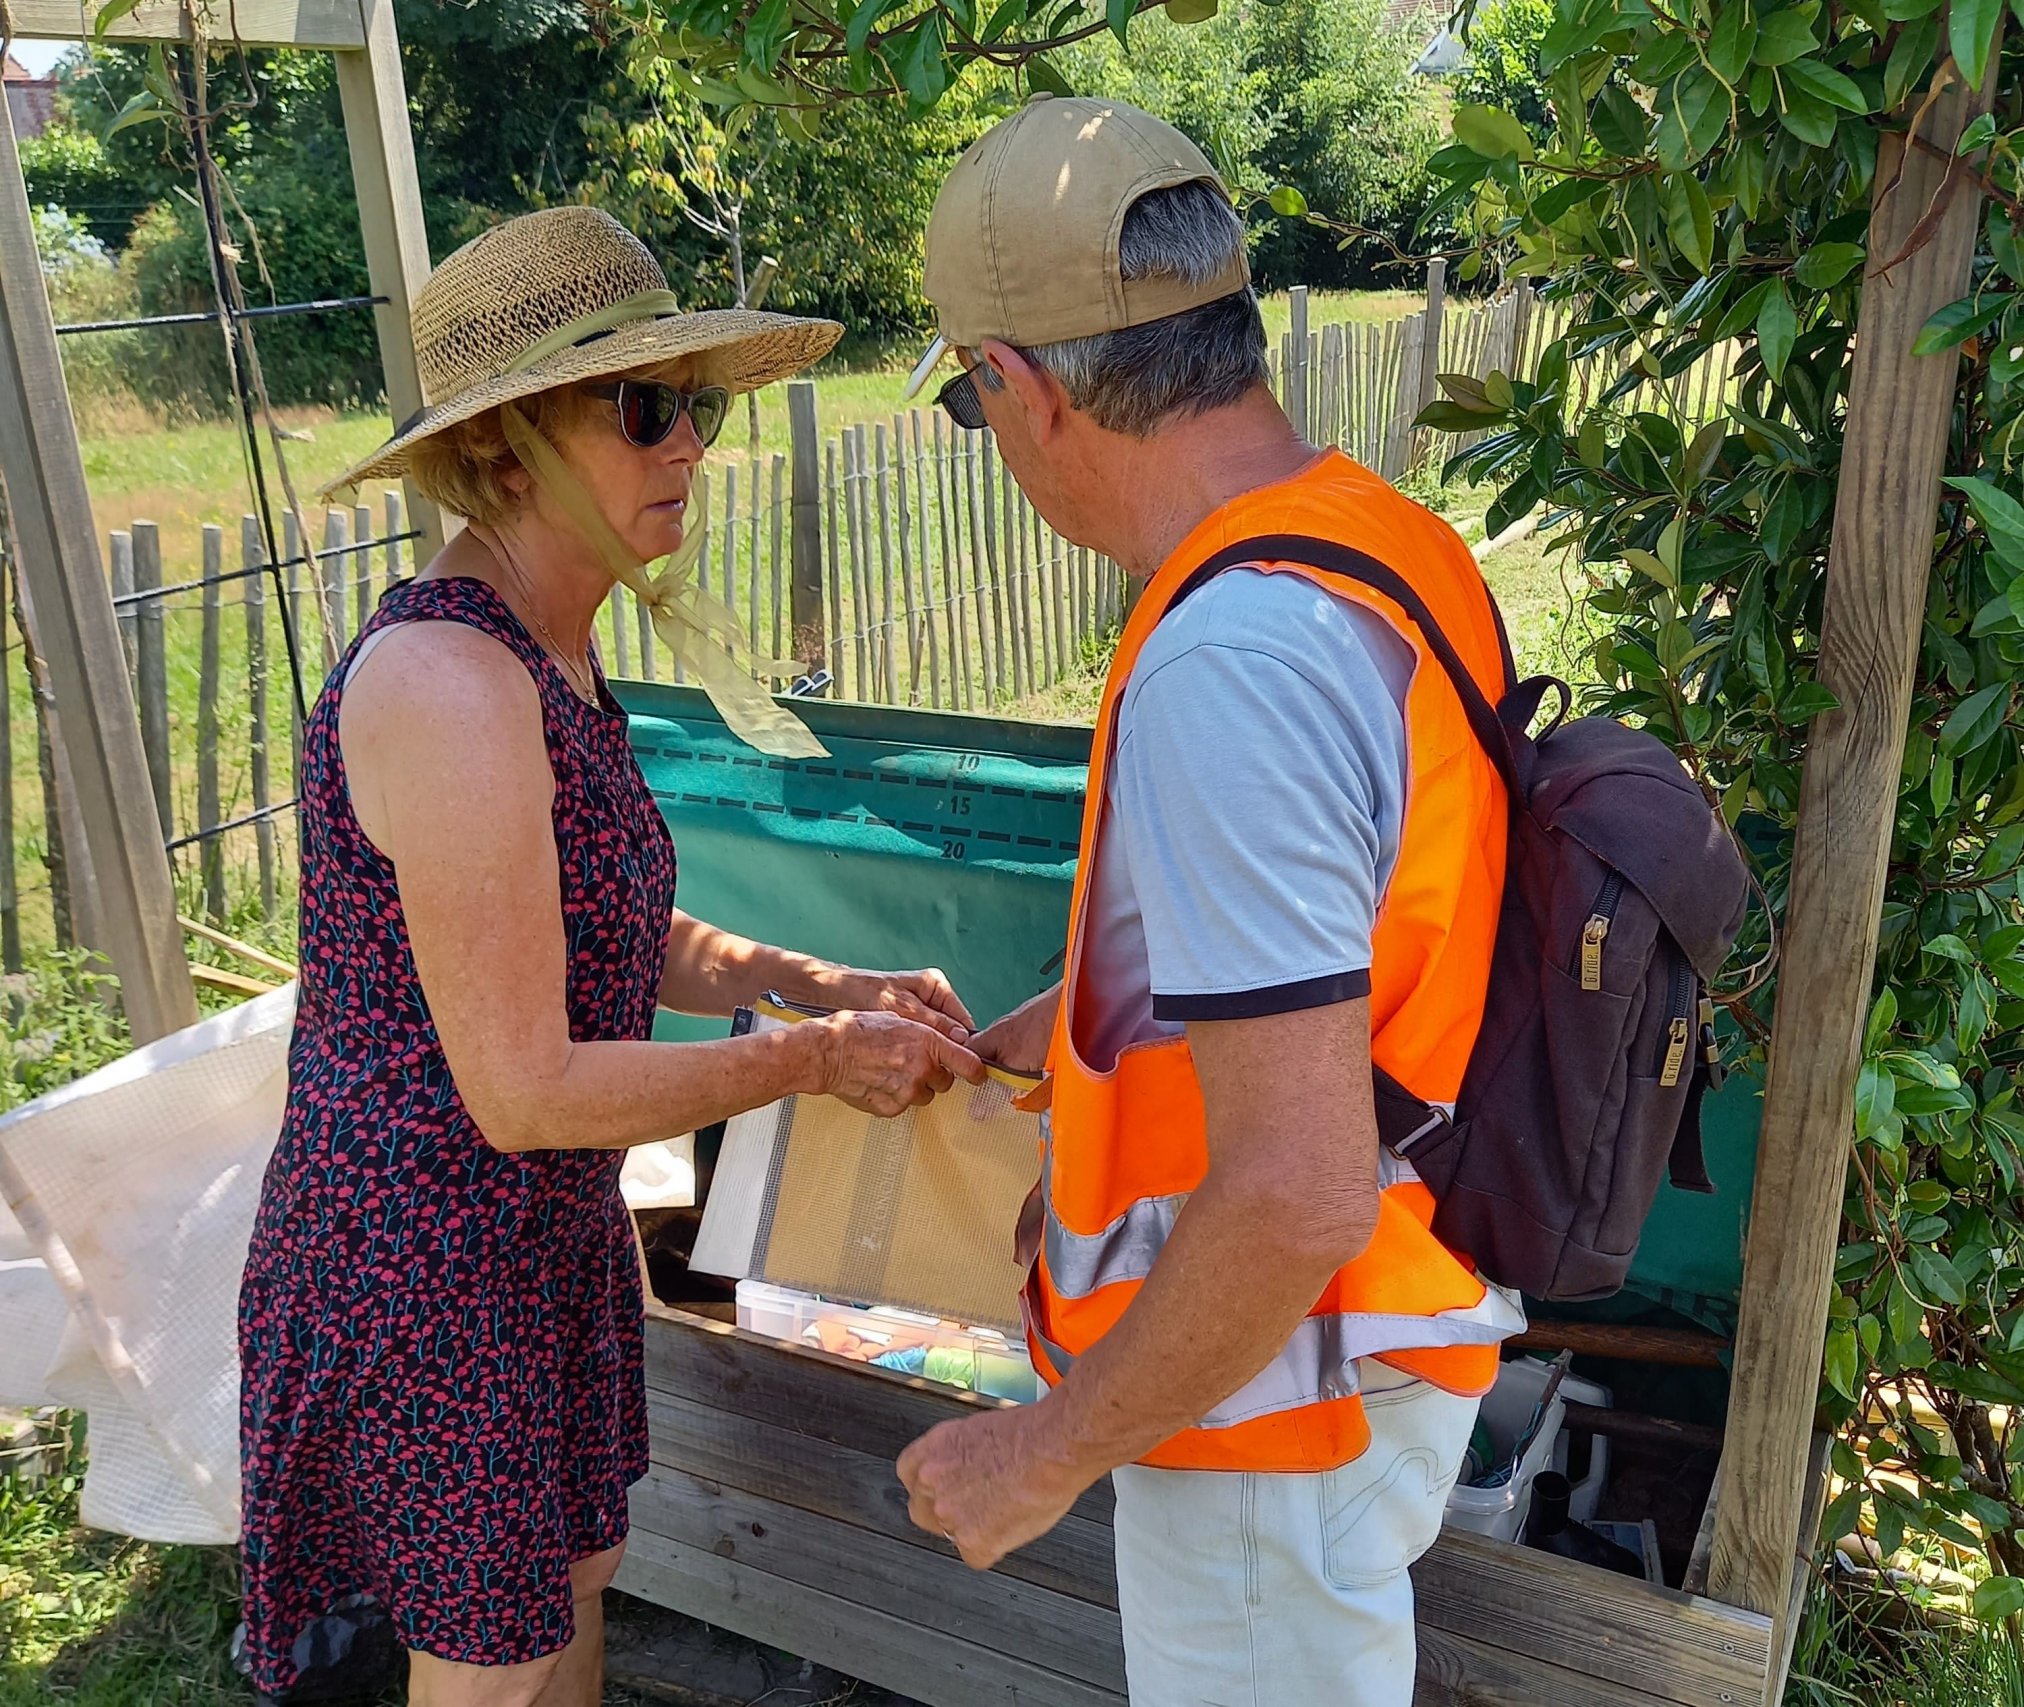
(1127, 1145)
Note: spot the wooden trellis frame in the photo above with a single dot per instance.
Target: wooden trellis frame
(746, 1428)
(63, 580)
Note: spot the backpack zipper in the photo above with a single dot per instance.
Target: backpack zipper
(1711, 1048)
(1679, 1028)
(1596, 932)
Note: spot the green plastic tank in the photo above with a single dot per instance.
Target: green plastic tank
(933, 839)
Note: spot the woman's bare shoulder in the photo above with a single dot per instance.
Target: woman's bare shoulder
(436, 670)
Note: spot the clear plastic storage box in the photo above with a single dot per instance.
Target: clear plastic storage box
(980, 1360)
(1507, 1410)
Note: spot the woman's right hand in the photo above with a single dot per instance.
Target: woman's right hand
(883, 1064)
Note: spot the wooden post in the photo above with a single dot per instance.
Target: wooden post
(1076, 614)
(151, 673)
(10, 889)
(880, 466)
(776, 560)
(68, 598)
(866, 674)
(836, 633)
(921, 556)
(990, 659)
(397, 569)
(621, 642)
(210, 809)
(361, 559)
(253, 553)
(1057, 570)
(1033, 597)
(375, 101)
(1327, 344)
(330, 564)
(1398, 434)
(1521, 328)
(804, 436)
(293, 547)
(730, 563)
(954, 589)
(643, 621)
(1375, 414)
(1296, 361)
(1429, 366)
(752, 564)
(121, 543)
(1899, 410)
(903, 520)
(59, 807)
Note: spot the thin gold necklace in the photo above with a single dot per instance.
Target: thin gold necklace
(582, 682)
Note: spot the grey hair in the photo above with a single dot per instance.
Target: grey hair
(1204, 358)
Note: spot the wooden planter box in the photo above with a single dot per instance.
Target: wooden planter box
(773, 1509)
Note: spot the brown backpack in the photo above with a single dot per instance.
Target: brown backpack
(1623, 893)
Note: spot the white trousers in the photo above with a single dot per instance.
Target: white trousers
(1243, 1590)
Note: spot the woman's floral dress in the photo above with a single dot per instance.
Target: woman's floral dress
(442, 1399)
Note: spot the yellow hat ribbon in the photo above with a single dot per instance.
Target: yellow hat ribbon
(700, 630)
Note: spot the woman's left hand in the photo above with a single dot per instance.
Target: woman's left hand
(926, 997)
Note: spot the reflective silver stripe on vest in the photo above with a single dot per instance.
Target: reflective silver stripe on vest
(1081, 1263)
(1319, 1361)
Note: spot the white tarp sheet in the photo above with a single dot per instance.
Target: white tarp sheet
(136, 1188)
(126, 1203)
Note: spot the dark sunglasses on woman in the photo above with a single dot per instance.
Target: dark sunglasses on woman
(648, 409)
(959, 400)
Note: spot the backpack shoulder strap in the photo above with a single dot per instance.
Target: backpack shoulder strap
(1360, 566)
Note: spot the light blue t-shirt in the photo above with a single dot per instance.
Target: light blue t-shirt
(1256, 793)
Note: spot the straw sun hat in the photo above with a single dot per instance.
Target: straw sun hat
(565, 295)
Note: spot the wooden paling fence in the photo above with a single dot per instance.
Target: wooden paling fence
(898, 556)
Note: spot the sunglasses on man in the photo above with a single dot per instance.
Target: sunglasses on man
(960, 402)
(649, 409)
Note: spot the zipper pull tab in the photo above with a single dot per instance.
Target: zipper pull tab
(1594, 934)
(1676, 1052)
(1711, 1050)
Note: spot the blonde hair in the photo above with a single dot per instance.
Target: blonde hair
(464, 468)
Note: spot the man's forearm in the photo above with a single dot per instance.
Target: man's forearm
(1224, 1297)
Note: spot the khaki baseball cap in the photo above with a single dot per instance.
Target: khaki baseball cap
(1023, 242)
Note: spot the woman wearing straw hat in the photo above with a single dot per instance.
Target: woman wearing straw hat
(440, 1324)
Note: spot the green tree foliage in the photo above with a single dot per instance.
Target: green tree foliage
(1355, 129)
(1704, 188)
(1503, 65)
(86, 283)
(497, 98)
(67, 166)
(1316, 93)
(840, 198)
(498, 95)
(1205, 78)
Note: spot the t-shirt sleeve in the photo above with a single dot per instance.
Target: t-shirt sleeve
(1264, 790)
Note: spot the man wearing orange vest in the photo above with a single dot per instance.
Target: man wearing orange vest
(1292, 861)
